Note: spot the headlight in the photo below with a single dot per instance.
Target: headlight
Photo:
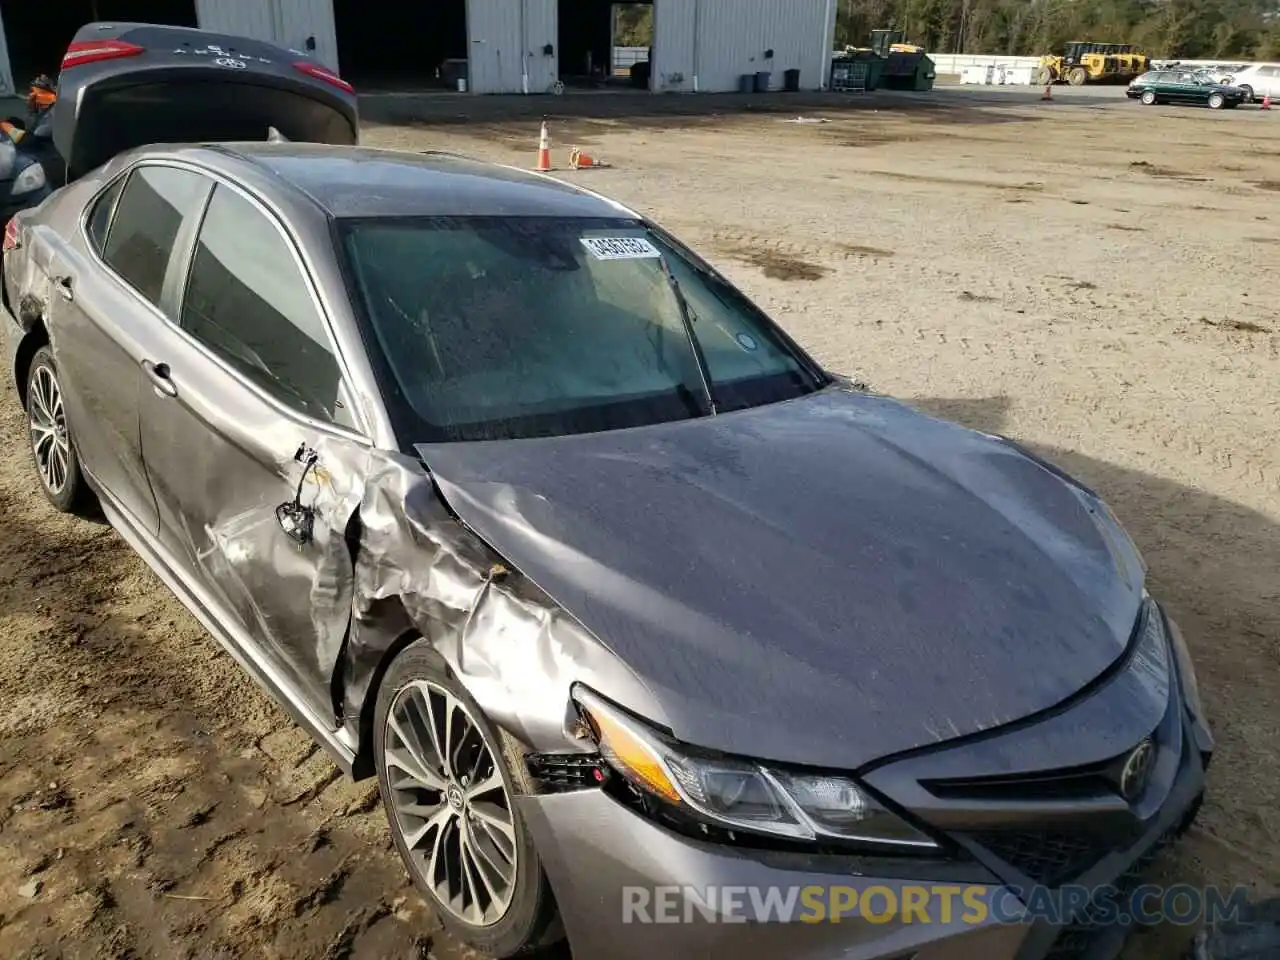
(32, 178)
(8, 154)
(739, 794)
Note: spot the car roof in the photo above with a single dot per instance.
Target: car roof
(370, 182)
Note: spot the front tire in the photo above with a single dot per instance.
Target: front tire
(1149, 98)
(448, 793)
(1217, 101)
(53, 448)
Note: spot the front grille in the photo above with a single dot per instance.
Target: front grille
(1048, 857)
(1076, 940)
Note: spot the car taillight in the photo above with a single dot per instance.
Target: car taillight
(324, 75)
(11, 234)
(91, 51)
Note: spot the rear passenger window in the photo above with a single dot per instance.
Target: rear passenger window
(148, 216)
(248, 301)
(100, 218)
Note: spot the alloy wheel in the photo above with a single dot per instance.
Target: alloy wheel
(47, 423)
(450, 803)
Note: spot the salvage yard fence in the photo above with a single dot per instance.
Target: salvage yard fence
(954, 64)
(946, 64)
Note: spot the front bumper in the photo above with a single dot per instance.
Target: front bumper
(629, 888)
(594, 850)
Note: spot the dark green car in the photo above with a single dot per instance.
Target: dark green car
(1184, 86)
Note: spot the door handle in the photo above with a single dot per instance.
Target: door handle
(63, 284)
(161, 381)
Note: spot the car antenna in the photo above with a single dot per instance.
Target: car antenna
(275, 136)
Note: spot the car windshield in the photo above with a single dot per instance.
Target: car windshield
(503, 327)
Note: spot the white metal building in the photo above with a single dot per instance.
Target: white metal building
(705, 45)
(512, 46)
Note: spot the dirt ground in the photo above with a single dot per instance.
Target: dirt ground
(1090, 279)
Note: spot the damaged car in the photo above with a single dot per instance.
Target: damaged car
(519, 505)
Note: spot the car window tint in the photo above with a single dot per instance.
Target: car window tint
(248, 301)
(100, 216)
(155, 202)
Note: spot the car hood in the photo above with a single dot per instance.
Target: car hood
(825, 581)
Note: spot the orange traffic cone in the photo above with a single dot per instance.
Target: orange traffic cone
(544, 149)
(584, 161)
(1266, 103)
(1048, 92)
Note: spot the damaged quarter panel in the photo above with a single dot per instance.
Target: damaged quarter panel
(92, 321)
(421, 572)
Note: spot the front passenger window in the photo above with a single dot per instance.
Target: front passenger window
(248, 301)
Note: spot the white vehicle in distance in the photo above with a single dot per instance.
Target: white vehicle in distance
(1225, 72)
(1258, 80)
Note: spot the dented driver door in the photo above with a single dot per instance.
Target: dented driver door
(246, 429)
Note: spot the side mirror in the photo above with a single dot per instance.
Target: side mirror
(296, 519)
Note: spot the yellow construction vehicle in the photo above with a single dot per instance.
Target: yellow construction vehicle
(1084, 62)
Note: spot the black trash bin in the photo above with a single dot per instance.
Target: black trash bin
(762, 81)
(746, 82)
(791, 80)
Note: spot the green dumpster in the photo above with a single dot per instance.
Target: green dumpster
(875, 72)
(926, 73)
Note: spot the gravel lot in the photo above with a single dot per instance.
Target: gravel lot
(1087, 276)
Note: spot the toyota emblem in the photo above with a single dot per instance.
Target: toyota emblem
(1137, 770)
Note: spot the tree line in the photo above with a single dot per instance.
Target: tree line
(1186, 29)
(633, 24)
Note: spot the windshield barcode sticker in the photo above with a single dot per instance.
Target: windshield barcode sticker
(620, 248)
